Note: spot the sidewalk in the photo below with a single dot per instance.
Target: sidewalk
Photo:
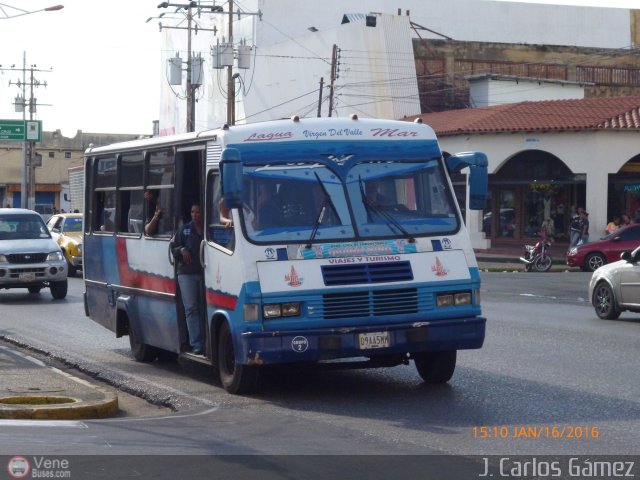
(508, 258)
(29, 389)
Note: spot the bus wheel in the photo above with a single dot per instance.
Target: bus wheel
(141, 351)
(435, 367)
(235, 378)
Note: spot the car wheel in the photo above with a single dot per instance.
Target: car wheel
(72, 270)
(141, 351)
(34, 289)
(58, 289)
(593, 262)
(435, 367)
(235, 378)
(604, 302)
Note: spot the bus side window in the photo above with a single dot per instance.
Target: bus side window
(217, 232)
(134, 215)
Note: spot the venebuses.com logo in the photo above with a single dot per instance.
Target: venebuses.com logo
(18, 467)
(38, 467)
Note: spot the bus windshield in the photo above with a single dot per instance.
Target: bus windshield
(284, 203)
(298, 203)
(401, 199)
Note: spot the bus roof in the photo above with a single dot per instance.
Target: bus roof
(294, 129)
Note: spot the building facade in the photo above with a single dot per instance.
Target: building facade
(546, 159)
(59, 154)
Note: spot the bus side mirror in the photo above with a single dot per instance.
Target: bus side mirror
(478, 175)
(231, 171)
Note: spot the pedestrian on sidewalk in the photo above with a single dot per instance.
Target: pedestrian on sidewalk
(575, 228)
(584, 228)
(613, 225)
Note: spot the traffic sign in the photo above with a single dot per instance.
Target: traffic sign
(21, 130)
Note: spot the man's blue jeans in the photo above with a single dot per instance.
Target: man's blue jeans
(575, 235)
(191, 291)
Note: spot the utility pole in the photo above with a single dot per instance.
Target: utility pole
(203, 7)
(334, 75)
(27, 187)
(191, 97)
(231, 86)
(320, 97)
(191, 86)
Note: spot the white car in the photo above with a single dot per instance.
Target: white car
(29, 257)
(615, 287)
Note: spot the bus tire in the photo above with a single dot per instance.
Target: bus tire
(141, 351)
(235, 378)
(436, 367)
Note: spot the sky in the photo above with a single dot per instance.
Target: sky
(100, 61)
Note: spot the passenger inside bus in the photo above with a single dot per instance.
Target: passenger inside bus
(153, 205)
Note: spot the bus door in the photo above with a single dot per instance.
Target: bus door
(189, 191)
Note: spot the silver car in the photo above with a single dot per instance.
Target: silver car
(29, 257)
(615, 288)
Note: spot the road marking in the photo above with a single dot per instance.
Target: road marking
(537, 296)
(43, 423)
(146, 419)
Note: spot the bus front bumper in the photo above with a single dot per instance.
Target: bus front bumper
(315, 345)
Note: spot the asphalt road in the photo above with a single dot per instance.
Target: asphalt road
(548, 365)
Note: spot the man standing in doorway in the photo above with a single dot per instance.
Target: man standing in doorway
(186, 250)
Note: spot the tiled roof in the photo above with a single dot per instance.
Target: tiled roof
(617, 113)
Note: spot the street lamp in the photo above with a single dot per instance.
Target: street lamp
(6, 15)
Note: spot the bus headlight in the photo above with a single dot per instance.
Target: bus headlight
(444, 300)
(462, 298)
(452, 299)
(277, 310)
(291, 309)
(272, 310)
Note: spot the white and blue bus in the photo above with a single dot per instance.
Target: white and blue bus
(346, 246)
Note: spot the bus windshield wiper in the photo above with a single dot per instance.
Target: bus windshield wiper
(323, 209)
(374, 207)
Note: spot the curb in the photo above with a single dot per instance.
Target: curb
(21, 405)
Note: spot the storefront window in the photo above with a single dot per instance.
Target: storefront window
(533, 191)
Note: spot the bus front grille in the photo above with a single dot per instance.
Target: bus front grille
(367, 304)
(351, 274)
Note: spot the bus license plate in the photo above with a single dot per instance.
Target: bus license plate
(373, 340)
(27, 277)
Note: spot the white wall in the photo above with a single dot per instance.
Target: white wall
(488, 91)
(465, 20)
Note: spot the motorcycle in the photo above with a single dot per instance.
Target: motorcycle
(537, 257)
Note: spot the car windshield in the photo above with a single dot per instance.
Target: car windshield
(22, 227)
(72, 225)
(307, 202)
